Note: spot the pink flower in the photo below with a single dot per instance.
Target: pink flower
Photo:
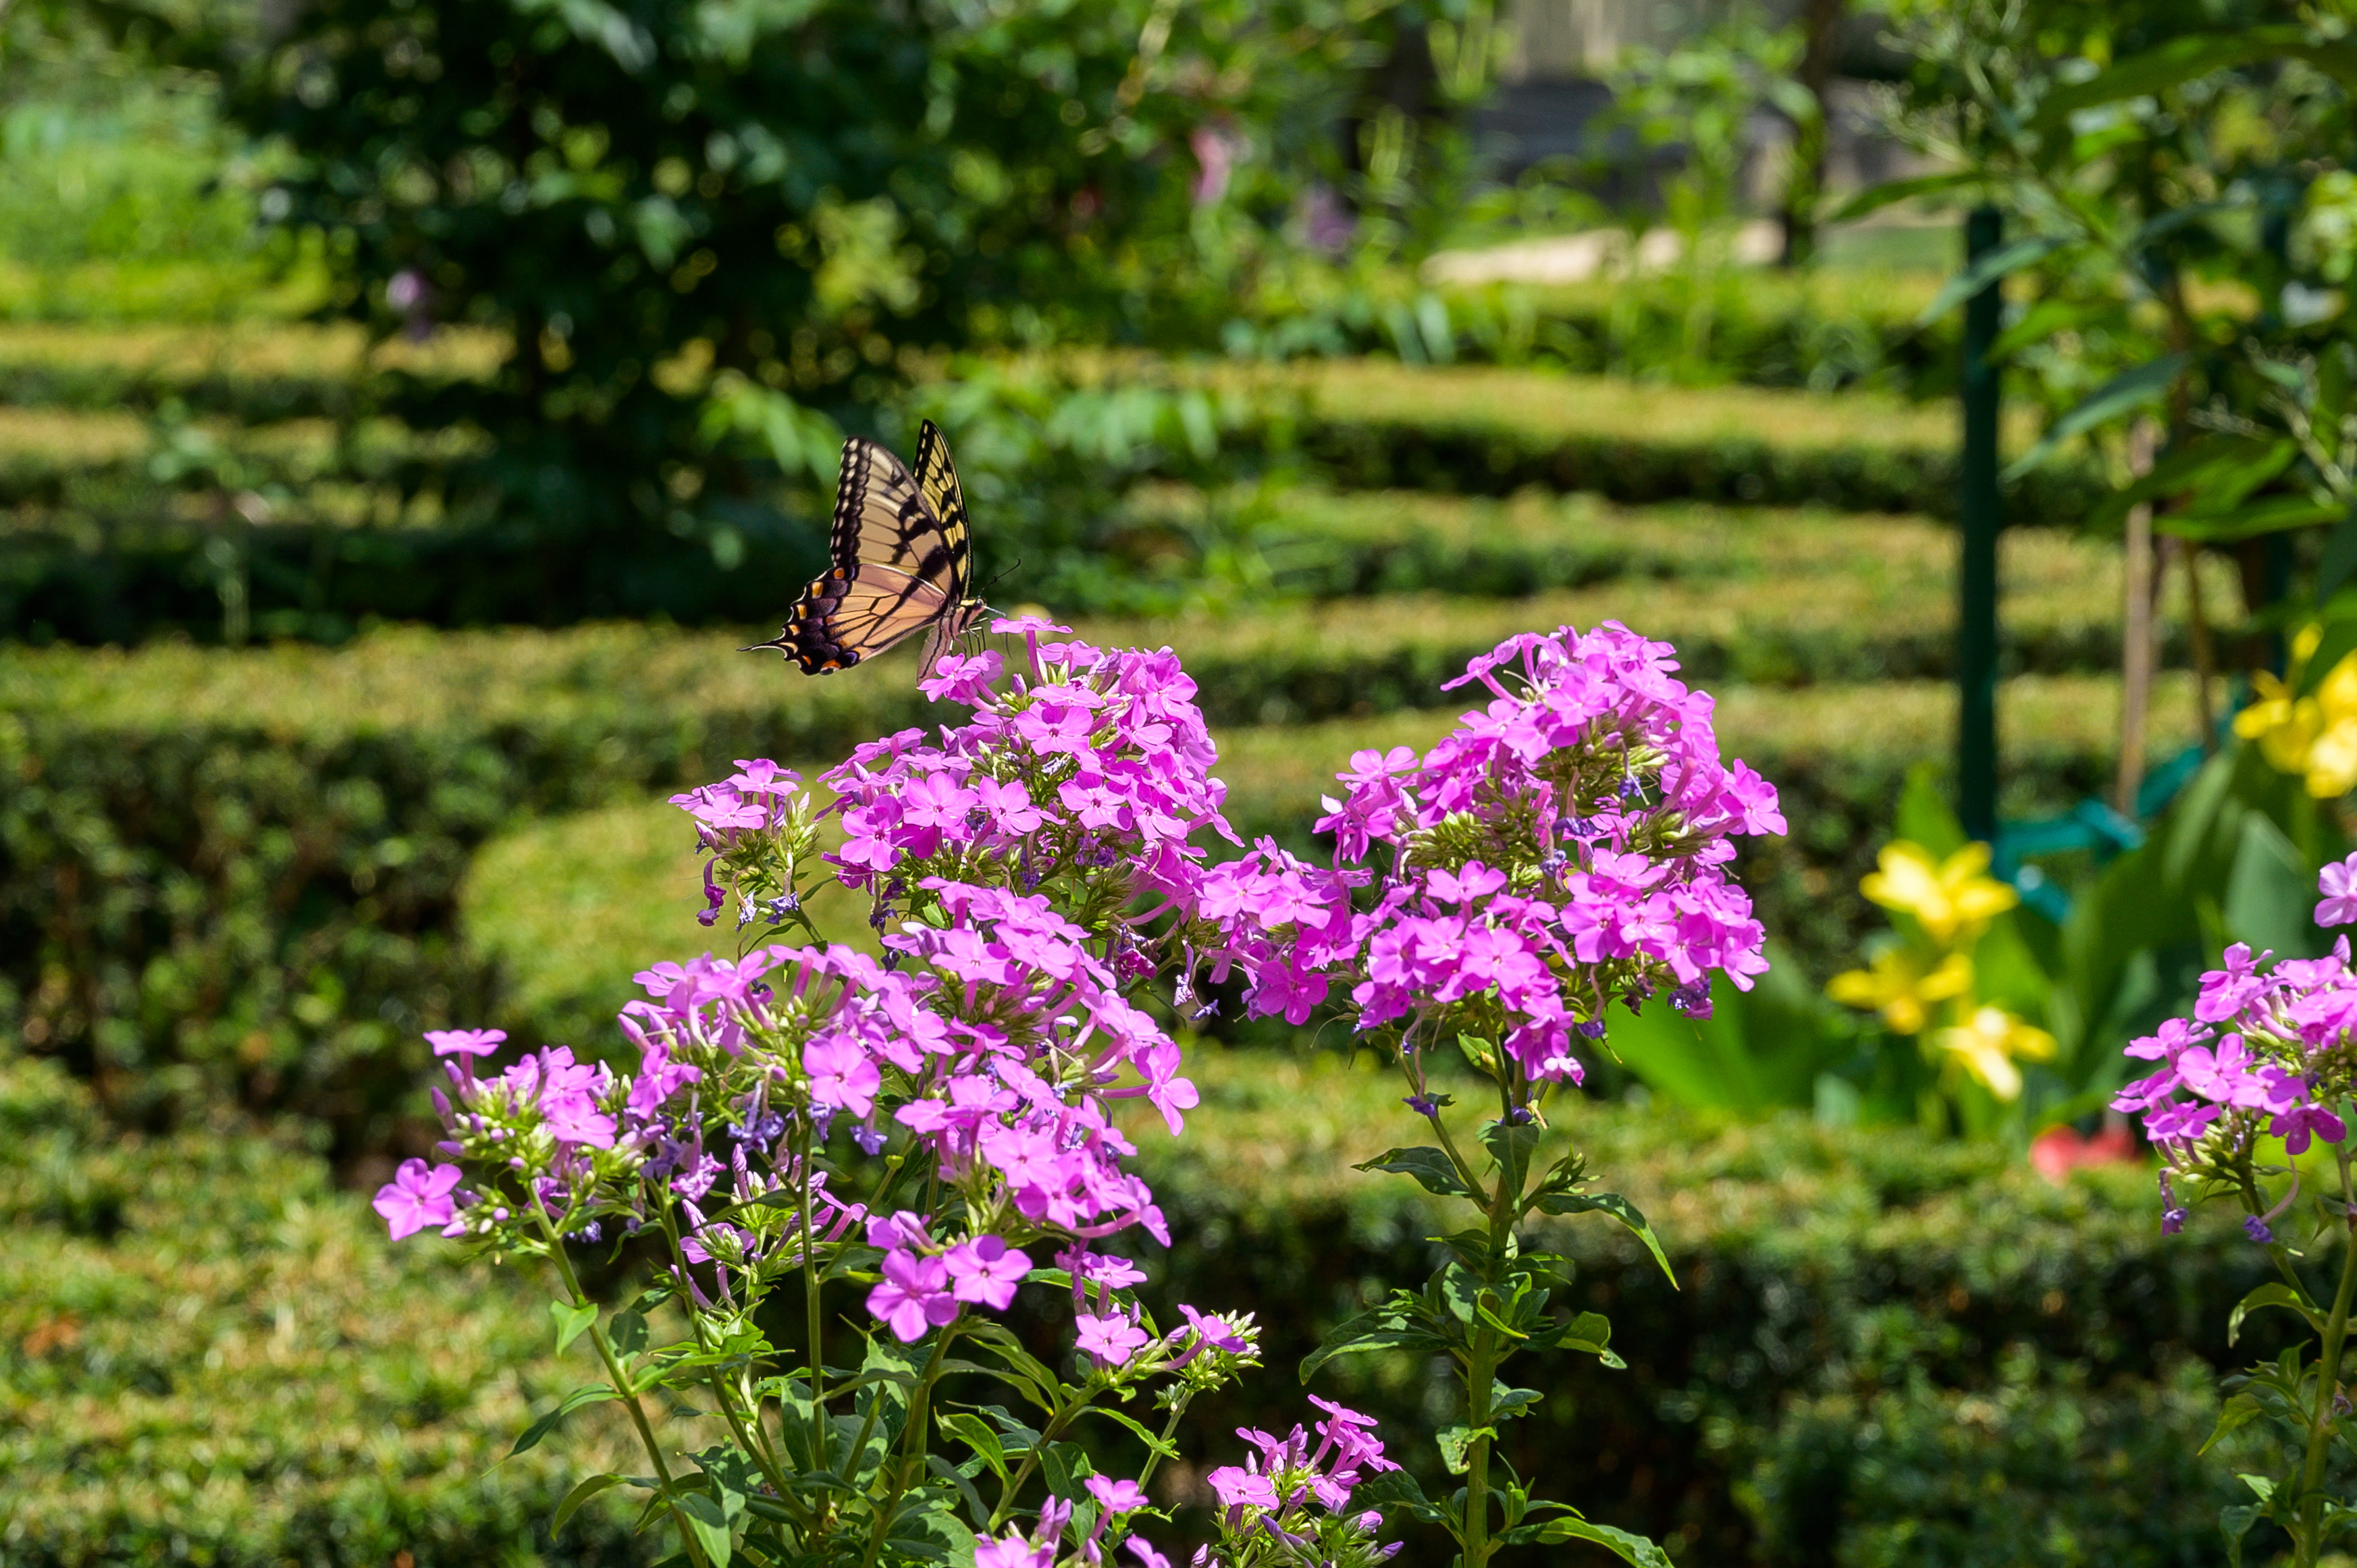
(840, 1076)
(466, 1042)
(1112, 1340)
(913, 1297)
(417, 1196)
(1014, 1551)
(1236, 1487)
(1116, 1497)
(2338, 883)
(987, 1271)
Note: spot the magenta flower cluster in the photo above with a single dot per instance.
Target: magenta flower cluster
(1087, 769)
(2268, 1051)
(1565, 846)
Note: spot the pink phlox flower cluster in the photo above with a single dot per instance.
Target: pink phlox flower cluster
(1087, 761)
(752, 800)
(1284, 1476)
(1610, 821)
(2251, 1056)
(1285, 925)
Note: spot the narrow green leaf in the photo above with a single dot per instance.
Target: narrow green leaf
(1618, 1207)
(1632, 1549)
(2183, 60)
(628, 1332)
(708, 1524)
(570, 1321)
(1395, 1489)
(1145, 1434)
(1432, 1169)
(2001, 262)
(2129, 388)
(2269, 514)
(1874, 197)
(2240, 1411)
(2274, 1293)
(593, 1393)
(581, 1494)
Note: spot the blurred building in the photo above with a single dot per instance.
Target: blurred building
(1552, 81)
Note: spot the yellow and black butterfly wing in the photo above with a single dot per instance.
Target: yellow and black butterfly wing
(937, 483)
(899, 564)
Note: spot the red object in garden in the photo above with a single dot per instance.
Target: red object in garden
(2058, 1151)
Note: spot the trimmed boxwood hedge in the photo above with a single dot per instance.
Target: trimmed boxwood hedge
(210, 1355)
(1880, 1351)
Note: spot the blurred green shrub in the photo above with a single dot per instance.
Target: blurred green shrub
(2041, 1467)
(209, 1355)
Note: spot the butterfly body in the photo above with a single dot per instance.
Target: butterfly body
(901, 561)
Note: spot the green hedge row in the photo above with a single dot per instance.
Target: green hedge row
(235, 875)
(209, 1355)
(1471, 459)
(1880, 1351)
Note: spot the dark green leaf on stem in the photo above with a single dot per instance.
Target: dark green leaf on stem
(593, 1393)
(1433, 1170)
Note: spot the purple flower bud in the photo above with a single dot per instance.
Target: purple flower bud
(1589, 1029)
(869, 1139)
(2255, 1228)
(1421, 1105)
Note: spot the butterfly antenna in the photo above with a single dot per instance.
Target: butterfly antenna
(1004, 572)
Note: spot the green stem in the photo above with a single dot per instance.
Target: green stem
(2309, 1540)
(620, 1383)
(911, 1465)
(752, 1437)
(1055, 1427)
(813, 1322)
(1481, 1377)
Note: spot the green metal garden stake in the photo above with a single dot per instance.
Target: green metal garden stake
(1981, 517)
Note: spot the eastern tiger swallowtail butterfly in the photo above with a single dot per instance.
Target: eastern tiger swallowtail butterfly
(901, 561)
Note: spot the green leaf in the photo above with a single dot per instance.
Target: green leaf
(1590, 1332)
(2275, 1294)
(1511, 1144)
(1384, 1328)
(1455, 1443)
(2185, 58)
(708, 1524)
(1874, 197)
(1618, 1207)
(2269, 514)
(628, 1332)
(1432, 1169)
(1508, 1404)
(1632, 1549)
(2129, 388)
(593, 1393)
(581, 1494)
(2240, 1411)
(2339, 642)
(2340, 562)
(2001, 262)
(2236, 1521)
(571, 1321)
(1395, 1489)
(1152, 1439)
(2210, 464)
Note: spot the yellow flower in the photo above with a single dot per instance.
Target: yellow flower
(2315, 737)
(1897, 988)
(1953, 897)
(1988, 1044)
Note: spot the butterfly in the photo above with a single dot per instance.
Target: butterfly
(901, 561)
